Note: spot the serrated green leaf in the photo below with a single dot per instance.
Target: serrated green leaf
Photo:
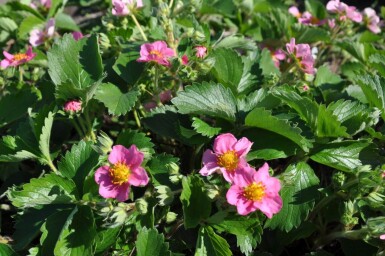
(263, 119)
(204, 128)
(308, 34)
(236, 42)
(140, 140)
(159, 168)
(344, 156)
(247, 231)
(211, 244)
(328, 124)
(7, 24)
(228, 68)
(28, 24)
(299, 192)
(373, 88)
(326, 76)
(75, 67)
(6, 250)
(361, 51)
(106, 238)
(78, 163)
(45, 135)
(378, 62)
(78, 233)
(117, 103)
(267, 64)
(207, 98)
(195, 202)
(150, 243)
(126, 65)
(49, 189)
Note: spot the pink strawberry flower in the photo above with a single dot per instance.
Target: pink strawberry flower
(157, 52)
(302, 55)
(124, 7)
(201, 51)
(73, 106)
(344, 11)
(38, 36)
(17, 59)
(229, 155)
(372, 20)
(184, 60)
(77, 35)
(306, 18)
(255, 190)
(331, 23)
(382, 237)
(277, 56)
(125, 171)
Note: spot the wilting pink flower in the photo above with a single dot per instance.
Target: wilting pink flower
(331, 23)
(165, 96)
(277, 56)
(157, 52)
(201, 51)
(73, 106)
(372, 20)
(77, 35)
(184, 60)
(305, 18)
(305, 87)
(254, 190)
(344, 11)
(382, 237)
(302, 54)
(17, 59)
(124, 7)
(125, 170)
(38, 36)
(228, 156)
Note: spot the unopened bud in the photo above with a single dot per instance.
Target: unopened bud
(171, 217)
(142, 206)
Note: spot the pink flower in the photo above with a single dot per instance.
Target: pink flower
(228, 156)
(17, 59)
(157, 52)
(332, 23)
(124, 7)
(125, 170)
(277, 56)
(305, 18)
(293, 10)
(184, 60)
(46, 3)
(201, 51)
(77, 35)
(73, 106)
(38, 36)
(382, 237)
(345, 11)
(302, 55)
(372, 20)
(254, 190)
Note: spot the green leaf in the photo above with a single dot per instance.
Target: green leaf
(78, 163)
(28, 24)
(361, 51)
(75, 67)
(306, 34)
(373, 88)
(236, 42)
(7, 24)
(65, 21)
(18, 6)
(263, 119)
(159, 167)
(344, 156)
(106, 238)
(28, 225)
(45, 135)
(247, 231)
(211, 244)
(326, 76)
(24, 99)
(150, 243)
(195, 202)
(378, 62)
(126, 65)
(117, 103)
(6, 250)
(140, 140)
(207, 98)
(204, 128)
(49, 189)
(299, 192)
(228, 68)
(78, 233)
(316, 8)
(267, 64)
(328, 124)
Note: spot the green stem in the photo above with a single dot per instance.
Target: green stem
(51, 165)
(89, 125)
(82, 125)
(171, 4)
(77, 128)
(136, 116)
(21, 74)
(139, 27)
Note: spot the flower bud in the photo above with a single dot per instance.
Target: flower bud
(165, 195)
(73, 106)
(142, 206)
(171, 217)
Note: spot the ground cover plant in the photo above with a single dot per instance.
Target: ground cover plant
(224, 127)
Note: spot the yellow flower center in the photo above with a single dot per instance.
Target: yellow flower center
(156, 52)
(228, 160)
(254, 192)
(20, 56)
(119, 173)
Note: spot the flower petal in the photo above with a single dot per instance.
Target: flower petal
(224, 143)
(243, 146)
(123, 192)
(138, 177)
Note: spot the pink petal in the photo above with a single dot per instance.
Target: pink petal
(224, 143)
(8, 55)
(100, 174)
(270, 206)
(382, 237)
(5, 63)
(123, 192)
(244, 206)
(294, 11)
(138, 177)
(50, 27)
(243, 146)
(132, 157)
(234, 194)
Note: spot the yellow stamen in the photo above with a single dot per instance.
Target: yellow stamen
(156, 52)
(254, 192)
(20, 56)
(228, 160)
(119, 173)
